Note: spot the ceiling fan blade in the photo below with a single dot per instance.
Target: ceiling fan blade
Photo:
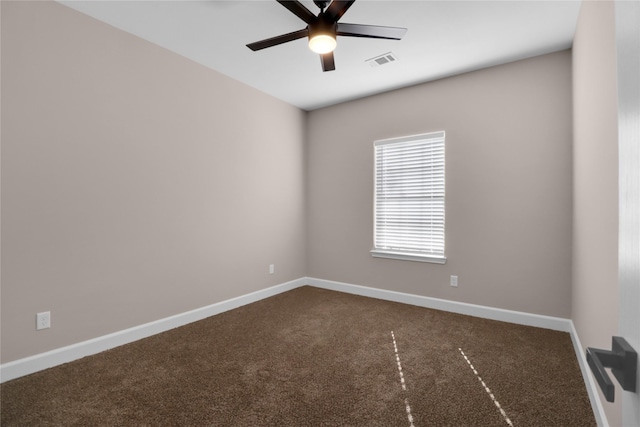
(370, 31)
(337, 8)
(273, 41)
(299, 10)
(328, 64)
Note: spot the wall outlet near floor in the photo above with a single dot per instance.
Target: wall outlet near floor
(272, 268)
(43, 320)
(454, 281)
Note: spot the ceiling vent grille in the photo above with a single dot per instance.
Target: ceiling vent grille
(383, 59)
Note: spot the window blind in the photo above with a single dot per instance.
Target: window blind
(409, 197)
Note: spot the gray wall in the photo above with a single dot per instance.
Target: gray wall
(508, 194)
(595, 219)
(136, 184)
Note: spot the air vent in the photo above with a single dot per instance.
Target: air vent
(382, 59)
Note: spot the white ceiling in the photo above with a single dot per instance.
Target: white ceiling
(443, 38)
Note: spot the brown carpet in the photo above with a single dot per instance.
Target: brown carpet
(312, 357)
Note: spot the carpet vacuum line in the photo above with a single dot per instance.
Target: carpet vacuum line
(402, 382)
(495, 401)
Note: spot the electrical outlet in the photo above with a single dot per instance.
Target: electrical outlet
(43, 320)
(272, 268)
(454, 281)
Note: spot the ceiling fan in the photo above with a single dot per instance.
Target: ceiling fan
(323, 29)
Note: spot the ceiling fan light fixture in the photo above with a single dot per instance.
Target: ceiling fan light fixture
(323, 29)
(322, 43)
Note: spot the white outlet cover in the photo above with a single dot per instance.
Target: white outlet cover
(454, 280)
(43, 320)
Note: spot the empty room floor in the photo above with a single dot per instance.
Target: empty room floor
(314, 357)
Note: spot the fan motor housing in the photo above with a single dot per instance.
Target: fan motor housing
(322, 26)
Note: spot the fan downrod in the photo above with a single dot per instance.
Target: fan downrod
(322, 4)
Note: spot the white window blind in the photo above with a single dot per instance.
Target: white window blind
(409, 198)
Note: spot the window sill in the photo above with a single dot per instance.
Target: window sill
(377, 253)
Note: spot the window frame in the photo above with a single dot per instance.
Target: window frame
(404, 253)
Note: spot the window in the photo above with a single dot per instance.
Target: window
(409, 198)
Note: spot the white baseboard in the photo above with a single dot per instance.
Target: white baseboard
(592, 386)
(39, 362)
(520, 318)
